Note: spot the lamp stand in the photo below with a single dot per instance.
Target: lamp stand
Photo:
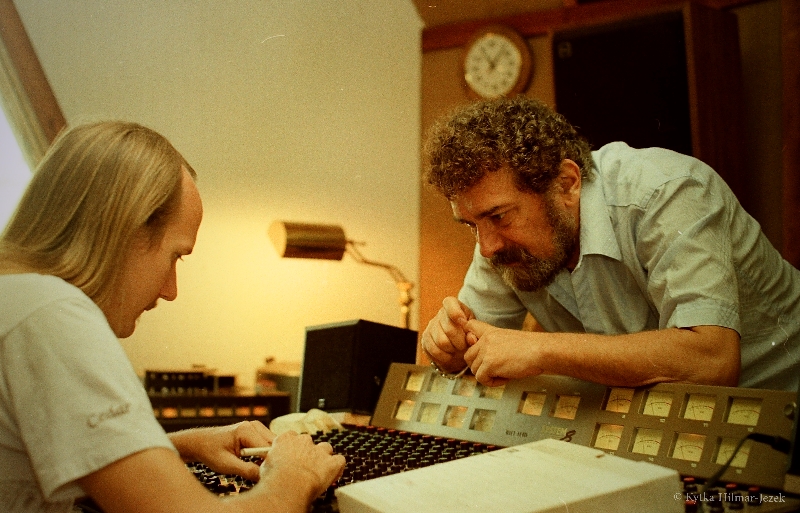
(403, 285)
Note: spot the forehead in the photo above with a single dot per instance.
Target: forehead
(186, 222)
(495, 189)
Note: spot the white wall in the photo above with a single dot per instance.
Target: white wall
(303, 110)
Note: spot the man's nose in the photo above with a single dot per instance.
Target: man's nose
(489, 241)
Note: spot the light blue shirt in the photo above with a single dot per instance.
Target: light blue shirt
(663, 243)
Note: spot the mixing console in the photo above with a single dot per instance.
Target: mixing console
(370, 452)
(373, 452)
(693, 429)
(423, 420)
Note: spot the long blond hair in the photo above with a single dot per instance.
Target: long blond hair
(97, 185)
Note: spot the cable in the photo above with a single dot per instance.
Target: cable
(776, 442)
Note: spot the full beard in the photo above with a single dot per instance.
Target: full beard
(523, 271)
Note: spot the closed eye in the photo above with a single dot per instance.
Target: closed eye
(501, 219)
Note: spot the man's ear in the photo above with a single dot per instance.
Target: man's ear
(569, 181)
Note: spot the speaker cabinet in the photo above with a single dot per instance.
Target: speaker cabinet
(670, 78)
(344, 364)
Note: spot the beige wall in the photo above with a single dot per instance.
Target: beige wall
(305, 111)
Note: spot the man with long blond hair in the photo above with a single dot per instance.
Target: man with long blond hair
(93, 244)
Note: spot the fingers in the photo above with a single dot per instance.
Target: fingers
(456, 311)
(476, 356)
(253, 434)
(262, 431)
(445, 335)
(300, 454)
(245, 434)
(482, 370)
(325, 447)
(246, 469)
(336, 470)
(476, 328)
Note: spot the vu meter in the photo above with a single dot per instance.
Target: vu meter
(608, 436)
(658, 404)
(619, 400)
(700, 407)
(567, 407)
(744, 411)
(688, 446)
(532, 403)
(647, 441)
(726, 448)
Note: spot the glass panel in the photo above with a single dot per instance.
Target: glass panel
(532, 403)
(483, 420)
(567, 407)
(454, 416)
(428, 413)
(647, 441)
(608, 436)
(619, 400)
(688, 446)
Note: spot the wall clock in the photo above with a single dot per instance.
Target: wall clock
(497, 62)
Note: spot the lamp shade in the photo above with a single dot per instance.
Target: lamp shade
(303, 240)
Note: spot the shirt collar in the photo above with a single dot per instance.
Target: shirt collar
(597, 234)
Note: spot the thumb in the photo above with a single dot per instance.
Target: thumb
(250, 470)
(475, 330)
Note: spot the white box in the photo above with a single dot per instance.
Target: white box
(539, 477)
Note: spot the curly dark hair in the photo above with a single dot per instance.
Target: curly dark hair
(522, 134)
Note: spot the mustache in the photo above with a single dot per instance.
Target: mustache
(510, 256)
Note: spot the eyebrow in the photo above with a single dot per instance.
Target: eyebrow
(486, 213)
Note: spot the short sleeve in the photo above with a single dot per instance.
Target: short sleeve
(685, 245)
(74, 394)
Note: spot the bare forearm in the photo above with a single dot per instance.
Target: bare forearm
(703, 355)
(290, 492)
(186, 442)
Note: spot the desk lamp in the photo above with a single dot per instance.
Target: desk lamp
(328, 242)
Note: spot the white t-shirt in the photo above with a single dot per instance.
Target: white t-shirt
(70, 401)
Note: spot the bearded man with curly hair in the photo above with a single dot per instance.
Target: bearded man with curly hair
(638, 266)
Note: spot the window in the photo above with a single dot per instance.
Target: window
(14, 171)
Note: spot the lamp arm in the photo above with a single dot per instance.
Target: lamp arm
(403, 285)
(358, 257)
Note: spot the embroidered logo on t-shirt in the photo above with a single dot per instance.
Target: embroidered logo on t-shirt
(96, 419)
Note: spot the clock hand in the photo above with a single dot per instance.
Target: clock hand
(488, 58)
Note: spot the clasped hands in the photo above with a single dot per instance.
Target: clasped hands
(454, 338)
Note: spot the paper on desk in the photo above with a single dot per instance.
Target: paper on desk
(312, 422)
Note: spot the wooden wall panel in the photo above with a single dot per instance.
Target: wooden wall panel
(30, 70)
(790, 55)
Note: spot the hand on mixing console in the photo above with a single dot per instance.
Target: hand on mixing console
(303, 461)
(497, 355)
(219, 447)
(444, 340)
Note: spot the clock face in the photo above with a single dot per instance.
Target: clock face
(496, 64)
